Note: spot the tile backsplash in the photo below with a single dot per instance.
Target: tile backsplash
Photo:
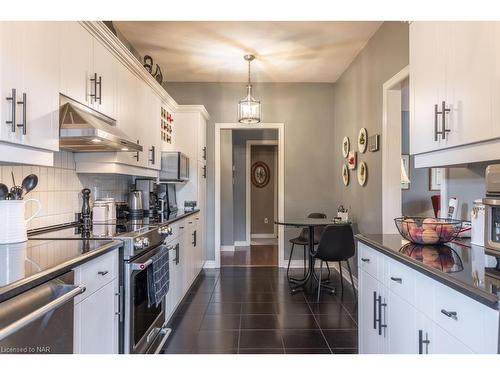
(59, 188)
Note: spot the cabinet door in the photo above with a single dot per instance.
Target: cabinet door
(470, 63)
(40, 65)
(10, 78)
(401, 321)
(105, 66)
(202, 139)
(435, 340)
(127, 113)
(427, 82)
(496, 81)
(96, 322)
(152, 130)
(76, 60)
(370, 342)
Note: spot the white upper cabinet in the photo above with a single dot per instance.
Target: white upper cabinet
(104, 80)
(495, 80)
(76, 62)
(30, 67)
(427, 84)
(451, 68)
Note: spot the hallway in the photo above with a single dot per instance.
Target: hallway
(235, 310)
(251, 256)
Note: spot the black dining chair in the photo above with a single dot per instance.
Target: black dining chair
(303, 239)
(336, 245)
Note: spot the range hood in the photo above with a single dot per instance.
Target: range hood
(83, 129)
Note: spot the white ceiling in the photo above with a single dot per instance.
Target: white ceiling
(285, 51)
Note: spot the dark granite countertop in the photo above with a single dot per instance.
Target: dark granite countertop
(469, 269)
(28, 264)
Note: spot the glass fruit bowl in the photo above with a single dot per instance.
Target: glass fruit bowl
(428, 231)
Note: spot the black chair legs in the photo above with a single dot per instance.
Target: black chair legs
(341, 277)
(319, 279)
(288, 268)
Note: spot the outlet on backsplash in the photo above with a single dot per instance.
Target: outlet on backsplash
(59, 188)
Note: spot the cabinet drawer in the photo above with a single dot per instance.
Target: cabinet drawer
(465, 319)
(97, 273)
(400, 279)
(369, 260)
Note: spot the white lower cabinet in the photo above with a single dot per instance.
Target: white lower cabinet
(406, 312)
(96, 317)
(96, 322)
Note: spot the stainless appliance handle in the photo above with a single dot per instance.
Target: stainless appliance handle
(24, 321)
(165, 332)
(141, 266)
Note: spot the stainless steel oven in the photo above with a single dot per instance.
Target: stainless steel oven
(144, 326)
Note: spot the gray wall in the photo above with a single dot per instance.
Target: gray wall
(226, 187)
(263, 204)
(358, 103)
(240, 138)
(307, 110)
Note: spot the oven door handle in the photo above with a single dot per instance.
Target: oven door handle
(141, 266)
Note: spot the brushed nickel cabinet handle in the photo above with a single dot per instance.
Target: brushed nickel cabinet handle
(436, 114)
(450, 314)
(12, 99)
(397, 279)
(366, 260)
(23, 124)
(102, 273)
(444, 111)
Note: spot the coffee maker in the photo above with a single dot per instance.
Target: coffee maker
(149, 190)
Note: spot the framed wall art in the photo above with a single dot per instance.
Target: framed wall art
(352, 160)
(345, 147)
(345, 175)
(362, 173)
(362, 140)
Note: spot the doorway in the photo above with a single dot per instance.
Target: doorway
(258, 242)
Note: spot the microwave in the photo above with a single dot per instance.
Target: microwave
(174, 166)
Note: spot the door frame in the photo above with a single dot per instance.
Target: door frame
(391, 150)
(391, 154)
(248, 185)
(281, 183)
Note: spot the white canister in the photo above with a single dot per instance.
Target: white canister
(100, 212)
(477, 220)
(14, 223)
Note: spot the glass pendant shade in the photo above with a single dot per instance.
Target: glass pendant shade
(249, 109)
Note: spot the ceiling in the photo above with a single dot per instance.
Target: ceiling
(213, 51)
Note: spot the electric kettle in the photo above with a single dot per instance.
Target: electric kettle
(135, 202)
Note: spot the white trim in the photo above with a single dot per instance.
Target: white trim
(227, 248)
(115, 46)
(281, 183)
(391, 150)
(263, 235)
(248, 183)
(210, 264)
(241, 243)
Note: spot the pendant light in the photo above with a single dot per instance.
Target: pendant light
(249, 107)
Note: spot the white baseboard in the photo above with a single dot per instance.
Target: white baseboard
(297, 263)
(241, 243)
(209, 264)
(263, 235)
(227, 248)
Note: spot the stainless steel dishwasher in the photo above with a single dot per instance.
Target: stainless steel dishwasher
(40, 320)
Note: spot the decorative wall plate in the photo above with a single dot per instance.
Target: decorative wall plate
(345, 147)
(261, 174)
(362, 140)
(351, 160)
(362, 173)
(345, 174)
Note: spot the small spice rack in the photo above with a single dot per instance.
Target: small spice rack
(166, 121)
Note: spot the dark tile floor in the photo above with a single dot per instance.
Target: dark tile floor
(251, 311)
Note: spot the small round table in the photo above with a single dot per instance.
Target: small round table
(310, 223)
